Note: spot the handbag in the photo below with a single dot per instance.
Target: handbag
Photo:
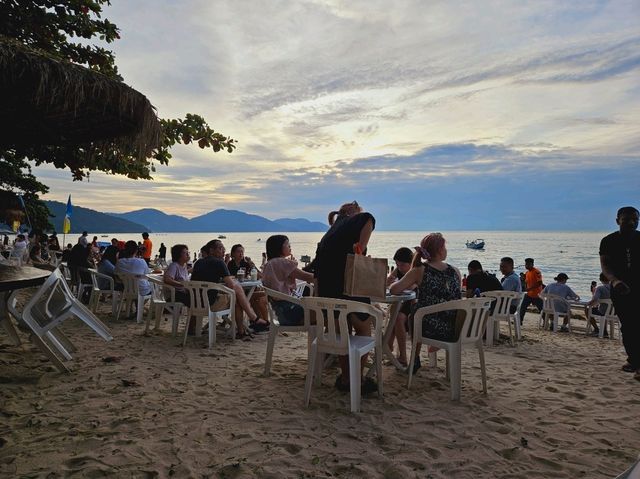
(365, 276)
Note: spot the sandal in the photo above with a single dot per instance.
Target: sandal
(246, 336)
(627, 368)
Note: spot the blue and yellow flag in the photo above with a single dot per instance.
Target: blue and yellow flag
(66, 225)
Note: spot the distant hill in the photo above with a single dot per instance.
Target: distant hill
(220, 220)
(156, 220)
(85, 219)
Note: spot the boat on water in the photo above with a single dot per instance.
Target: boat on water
(475, 244)
(104, 236)
(222, 237)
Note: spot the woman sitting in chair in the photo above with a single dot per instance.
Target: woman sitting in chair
(403, 258)
(437, 282)
(177, 272)
(280, 274)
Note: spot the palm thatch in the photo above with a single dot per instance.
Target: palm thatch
(47, 101)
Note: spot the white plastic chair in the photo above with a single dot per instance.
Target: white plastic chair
(52, 304)
(475, 322)
(97, 291)
(609, 317)
(200, 308)
(159, 302)
(131, 293)
(335, 339)
(275, 327)
(550, 308)
(502, 312)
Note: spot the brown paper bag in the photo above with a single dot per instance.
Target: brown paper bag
(365, 277)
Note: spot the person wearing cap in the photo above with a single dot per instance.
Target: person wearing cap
(560, 288)
(533, 281)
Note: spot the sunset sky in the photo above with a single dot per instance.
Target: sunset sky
(433, 115)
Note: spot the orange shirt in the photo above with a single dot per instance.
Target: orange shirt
(147, 248)
(532, 277)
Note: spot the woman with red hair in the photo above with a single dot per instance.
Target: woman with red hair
(437, 282)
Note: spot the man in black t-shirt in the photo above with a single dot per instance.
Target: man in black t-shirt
(480, 279)
(620, 261)
(213, 269)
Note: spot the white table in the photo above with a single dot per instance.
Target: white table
(582, 306)
(395, 300)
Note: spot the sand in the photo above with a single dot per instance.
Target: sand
(558, 406)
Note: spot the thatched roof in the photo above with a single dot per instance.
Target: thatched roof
(47, 101)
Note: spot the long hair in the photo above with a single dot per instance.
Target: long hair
(348, 209)
(429, 246)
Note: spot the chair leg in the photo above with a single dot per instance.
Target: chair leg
(58, 345)
(159, 309)
(320, 363)
(516, 323)
(412, 360)
(378, 360)
(140, 311)
(149, 315)
(311, 370)
(175, 319)
(448, 366)
(510, 333)
(483, 368)
(212, 330)
(186, 329)
(273, 332)
(455, 371)
(603, 324)
(354, 380)
(489, 332)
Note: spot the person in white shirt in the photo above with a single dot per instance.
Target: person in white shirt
(560, 288)
(19, 247)
(129, 263)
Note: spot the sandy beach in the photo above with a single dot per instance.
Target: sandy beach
(558, 406)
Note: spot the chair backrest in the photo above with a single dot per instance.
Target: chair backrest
(130, 283)
(199, 298)
(97, 278)
(272, 294)
(611, 310)
(504, 300)
(550, 303)
(49, 304)
(161, 291)
(332, 333)
(475, 320)
(300, 287)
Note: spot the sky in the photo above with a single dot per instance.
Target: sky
(437, 115)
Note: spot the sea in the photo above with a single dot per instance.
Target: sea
(574, 253)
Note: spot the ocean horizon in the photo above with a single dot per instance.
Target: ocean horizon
(572, 252)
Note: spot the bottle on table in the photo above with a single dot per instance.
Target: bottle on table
(254, 274)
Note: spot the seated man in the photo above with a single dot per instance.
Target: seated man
(600, 292)
(510, 281)
(479, 281)
(560, 288)
(213, 268)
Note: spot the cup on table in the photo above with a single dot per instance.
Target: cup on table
(240, 274)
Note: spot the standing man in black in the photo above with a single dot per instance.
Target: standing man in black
(620, 260)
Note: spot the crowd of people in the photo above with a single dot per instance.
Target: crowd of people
(423, 269)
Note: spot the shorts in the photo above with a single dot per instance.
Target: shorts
(288, 314)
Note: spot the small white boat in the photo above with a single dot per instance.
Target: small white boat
(475, 244)
(222, 237)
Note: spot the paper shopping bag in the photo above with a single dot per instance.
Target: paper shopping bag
(365, 276)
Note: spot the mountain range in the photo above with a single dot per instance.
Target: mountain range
(152, 220)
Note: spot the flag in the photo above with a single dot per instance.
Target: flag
(66, 225)
(16, 225)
